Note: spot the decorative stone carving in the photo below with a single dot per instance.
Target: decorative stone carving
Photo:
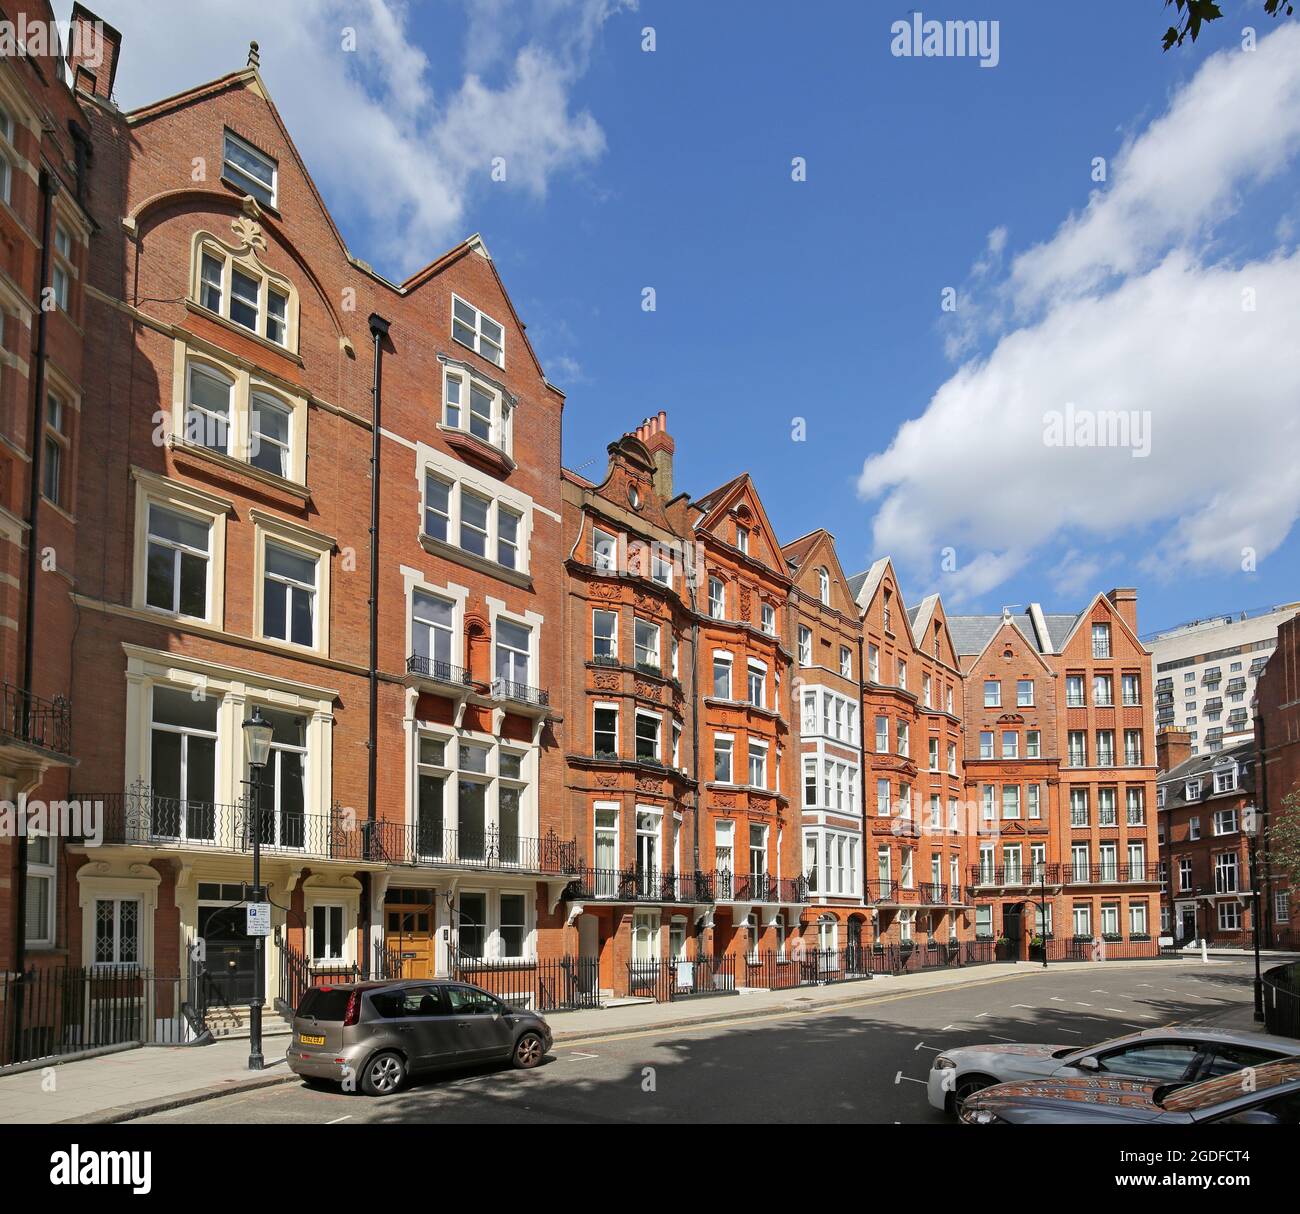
(647, 785)
(607, 682)
(647, 691)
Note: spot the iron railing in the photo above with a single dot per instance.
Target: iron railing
(438, 671)
(56, 1012)
(759, 887)
(298, 975)
(666, 980)
(1110, 874)
(1015, 874)
(552, 985)
(520, 693)
(641, 885)
(424, 843)
(38, 722)
(142, 816)
(882, 891)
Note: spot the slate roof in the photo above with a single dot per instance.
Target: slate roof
(970, 633)
(1202, 767)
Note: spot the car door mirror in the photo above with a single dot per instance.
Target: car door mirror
(1088, 1063)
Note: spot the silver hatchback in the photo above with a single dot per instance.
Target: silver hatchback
(373, 1036)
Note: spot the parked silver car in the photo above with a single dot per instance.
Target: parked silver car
(375, 1035)
(1263, 1095)
(1177, 1055)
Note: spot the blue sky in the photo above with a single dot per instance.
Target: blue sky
(820, 299)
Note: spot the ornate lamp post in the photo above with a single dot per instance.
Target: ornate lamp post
(257, 748)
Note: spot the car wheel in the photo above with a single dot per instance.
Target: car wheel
(384, 1074)
(967, 1086)
(530, 1049)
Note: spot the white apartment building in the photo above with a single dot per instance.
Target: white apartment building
(1205, 674)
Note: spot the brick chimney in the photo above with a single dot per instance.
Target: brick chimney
(654, 433)
(1125, 601)
(93, 47)
(1173, 746)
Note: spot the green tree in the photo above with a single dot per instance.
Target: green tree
(1192, 14)
(1283, 839)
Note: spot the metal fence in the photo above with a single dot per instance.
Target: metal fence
(668, 979)
(55, 1012)
(1282, 1000)
(553, 985)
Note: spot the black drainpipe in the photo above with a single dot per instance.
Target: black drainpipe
(49, 188)
(695, 744)
(378, 331)
(862, 761)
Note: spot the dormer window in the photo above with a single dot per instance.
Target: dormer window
(1225, 778)
(477, 408)
(478, 331)
(1192, 790)
(250, 170)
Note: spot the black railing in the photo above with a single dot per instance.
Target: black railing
(142, 816)
(640, 885)
(520, 693)
(424, 843)
(298, 975)
(759, 887)
(56, 1012)
(438, 671)
(552, 985)
(1110, 874)
(882, 891)
(939, 894)
(38, 722)
(1015, 874)
(668, 979)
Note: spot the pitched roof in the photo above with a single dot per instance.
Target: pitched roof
(1200, 767)
(863, 585)
(971, 633)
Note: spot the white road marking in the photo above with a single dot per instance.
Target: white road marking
(982, 1015)
(900, 1077)
(1120, 1010)
(920, 1045)
(1028, 1006)
(345, 1117)
(580, 1057)
(997, 1038)
(1081, 1003)
(1096, 992)
(946, 1027)
(1076, 1032)
(1127, 1025)
(1057, 999)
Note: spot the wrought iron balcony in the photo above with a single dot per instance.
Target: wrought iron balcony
(520, 693)
(939, 894)
(882, 891)
(1111, 874)
(640, 885)
(760, 887)
(37, 722)
(144, 818)
(1015, 874)
(428, 844)
(438, 671)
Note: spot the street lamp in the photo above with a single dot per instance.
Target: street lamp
(1042, 911)
(257, 748)
(1250, 828)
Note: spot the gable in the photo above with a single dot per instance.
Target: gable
(738, 505)
(817, 553)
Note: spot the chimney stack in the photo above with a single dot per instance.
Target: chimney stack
(92, 51)
(654, 433)
(1173, 747)
(1125, 601)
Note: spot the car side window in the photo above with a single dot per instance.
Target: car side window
(467, 1002)
(421, 1001)
(388, 1004)
(1285, 1108)
(1224, 1059)
(1166, 1061)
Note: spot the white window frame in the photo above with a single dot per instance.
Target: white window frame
(480, 339)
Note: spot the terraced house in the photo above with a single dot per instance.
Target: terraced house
(1061, 762)
(316, 498)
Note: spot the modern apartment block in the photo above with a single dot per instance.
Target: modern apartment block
(1206, 674)
(1060, 760)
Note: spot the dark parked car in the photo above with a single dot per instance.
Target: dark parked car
(1262, 1095)
(375, 1035)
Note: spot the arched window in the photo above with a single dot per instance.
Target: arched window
(824, 585)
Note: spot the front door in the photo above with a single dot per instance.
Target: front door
(1188, 916)
(588, 952)
(231, 955)
(410, 932)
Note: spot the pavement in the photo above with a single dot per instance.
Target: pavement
(143, 1082)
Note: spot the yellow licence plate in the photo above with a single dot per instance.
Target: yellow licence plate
(304, 1039)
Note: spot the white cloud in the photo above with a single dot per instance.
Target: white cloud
(393, 143)
(1123, 310)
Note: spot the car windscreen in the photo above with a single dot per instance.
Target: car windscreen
(325, 1003)
(1198, 1096)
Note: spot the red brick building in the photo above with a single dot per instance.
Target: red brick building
(45, 307)
(1061, 769)
(918, 841)
(244, 358)
(1206, 803)
(1277, 739)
